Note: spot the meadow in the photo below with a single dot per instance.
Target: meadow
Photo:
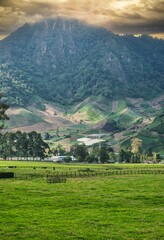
(100, 207)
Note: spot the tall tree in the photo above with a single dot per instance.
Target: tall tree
(36, 146)
(21, 143)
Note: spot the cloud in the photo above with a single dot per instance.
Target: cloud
(120, 16)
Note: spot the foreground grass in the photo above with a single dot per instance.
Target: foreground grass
(115, 207)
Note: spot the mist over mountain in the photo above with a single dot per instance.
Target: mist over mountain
(66, 61)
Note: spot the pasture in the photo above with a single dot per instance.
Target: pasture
(120, 202)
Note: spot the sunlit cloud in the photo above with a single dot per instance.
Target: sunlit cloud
(119, 16)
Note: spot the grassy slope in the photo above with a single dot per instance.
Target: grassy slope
(96, 109)
(92, 109)
(156, 143)
(115, 207)
(151, 135)
(158, 124)
(23, 118)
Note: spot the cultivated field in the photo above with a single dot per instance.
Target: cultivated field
(117, 202)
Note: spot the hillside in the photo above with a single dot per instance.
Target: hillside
(65, 61)
(97, 118)
(32, 118)
(158, 124)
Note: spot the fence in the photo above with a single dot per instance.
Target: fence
(42, 172)
(52, 179)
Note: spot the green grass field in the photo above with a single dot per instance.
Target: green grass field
(116, 207)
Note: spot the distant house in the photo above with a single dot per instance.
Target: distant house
(58, 159)
(61, 158)
(52, 159)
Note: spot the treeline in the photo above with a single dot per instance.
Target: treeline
(30, 146)
(22, 145)
(98, 154)
(104, 153)
(127, 156)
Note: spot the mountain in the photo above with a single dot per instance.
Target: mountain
(76, 80)
(65, 61)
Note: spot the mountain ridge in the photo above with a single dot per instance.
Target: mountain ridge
(66, 61)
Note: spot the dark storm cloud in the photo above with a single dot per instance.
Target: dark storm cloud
(120, 16)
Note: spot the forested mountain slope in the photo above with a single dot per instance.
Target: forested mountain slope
(66, 61)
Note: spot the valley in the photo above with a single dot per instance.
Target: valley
(98, 119)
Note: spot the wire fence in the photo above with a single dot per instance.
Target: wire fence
(80, 174)
(59, 171)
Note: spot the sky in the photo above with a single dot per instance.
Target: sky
(119, 16)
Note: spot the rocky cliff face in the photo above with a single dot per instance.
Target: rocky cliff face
(66, 61)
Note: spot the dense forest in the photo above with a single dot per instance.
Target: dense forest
(66, 61)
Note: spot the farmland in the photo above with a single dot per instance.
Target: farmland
(121, 205)
(115, 121)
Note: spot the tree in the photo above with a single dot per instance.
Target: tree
(21, 144)
(149, 152)
(3, 146)
(79, 151)
(3, 109)
(125, 156)
(112, 156)
(58, 150)
(156, 157)
(67, 159)
(46, 136)
(91, 158)
(9, 144)
(36, 146)
(122, 155)
(103, 154)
